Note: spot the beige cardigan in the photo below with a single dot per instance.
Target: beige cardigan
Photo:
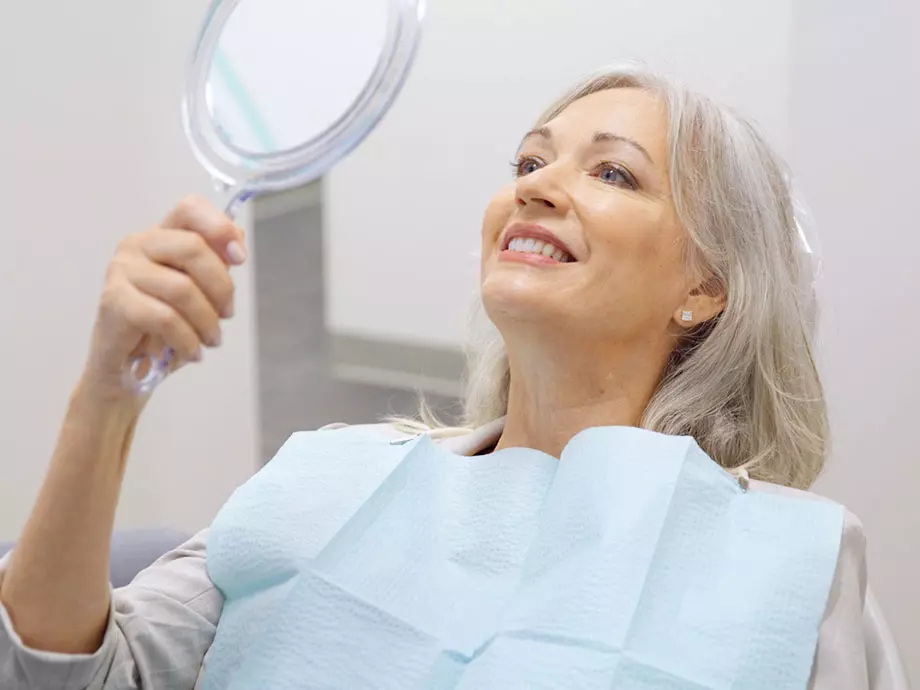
(161, 625)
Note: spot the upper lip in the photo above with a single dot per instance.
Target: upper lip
(536, 232)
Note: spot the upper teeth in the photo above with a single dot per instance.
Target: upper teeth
(527, 245)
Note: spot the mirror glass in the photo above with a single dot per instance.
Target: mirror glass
(285, 71)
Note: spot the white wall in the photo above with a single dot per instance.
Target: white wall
(855, 143)
(92, 148)
(834, 83)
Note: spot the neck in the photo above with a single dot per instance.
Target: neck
(556, 394)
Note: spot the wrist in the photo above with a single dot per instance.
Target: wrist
(104, 407)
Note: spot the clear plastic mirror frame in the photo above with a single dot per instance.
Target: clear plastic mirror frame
(244, 171)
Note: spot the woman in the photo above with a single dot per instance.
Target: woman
(642, 271)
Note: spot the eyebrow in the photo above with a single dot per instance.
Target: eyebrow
(599, 138)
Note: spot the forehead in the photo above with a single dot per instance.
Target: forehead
(628, 112)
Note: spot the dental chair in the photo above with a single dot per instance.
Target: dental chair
(133, 551)
(886, 670)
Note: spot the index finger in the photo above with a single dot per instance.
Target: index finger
(198, 215)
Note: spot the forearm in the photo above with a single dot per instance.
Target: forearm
(57, 587)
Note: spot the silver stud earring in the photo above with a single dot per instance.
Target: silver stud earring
(687, 316)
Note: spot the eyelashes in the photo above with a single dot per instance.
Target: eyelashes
(620, 173)
(519, 166)
(608, 172)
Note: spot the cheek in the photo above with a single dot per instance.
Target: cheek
(640, 261)
(641, 241)
(497, 215)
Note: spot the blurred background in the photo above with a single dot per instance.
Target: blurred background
(360, 285)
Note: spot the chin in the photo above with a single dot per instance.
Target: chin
(515, 296)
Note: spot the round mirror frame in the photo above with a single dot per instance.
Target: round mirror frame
(257, 172)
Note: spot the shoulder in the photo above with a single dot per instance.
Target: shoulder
(337, 453)
(848, 591)
(841, 659)
(321, 464)
(333, 455)
(302, 497)
(853, 538)
(381, 431)
(343, 440)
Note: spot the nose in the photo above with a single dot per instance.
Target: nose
(540, 189)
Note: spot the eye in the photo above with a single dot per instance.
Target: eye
(614, 174)
(526, 165)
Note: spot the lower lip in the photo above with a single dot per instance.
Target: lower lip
(525, 258)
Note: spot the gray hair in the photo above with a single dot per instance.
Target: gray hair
(744, 385)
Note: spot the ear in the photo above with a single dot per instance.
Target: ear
(704, 302)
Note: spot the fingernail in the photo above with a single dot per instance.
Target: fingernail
(216, 339)
(236, 253)
(197, 355)
(228, 311)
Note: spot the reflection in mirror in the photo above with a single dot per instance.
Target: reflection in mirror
(270, 87)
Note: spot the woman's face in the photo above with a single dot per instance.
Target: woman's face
(586, 241)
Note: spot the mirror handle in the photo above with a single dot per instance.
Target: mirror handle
(157, 366)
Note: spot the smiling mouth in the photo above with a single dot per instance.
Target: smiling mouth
(539, 249)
